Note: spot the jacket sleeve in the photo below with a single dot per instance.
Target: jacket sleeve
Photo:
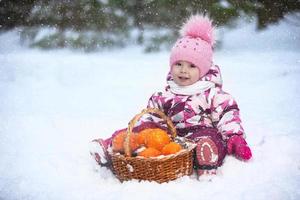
(155, 101)
(226, 115)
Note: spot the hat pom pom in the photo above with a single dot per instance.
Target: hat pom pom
(199, 26)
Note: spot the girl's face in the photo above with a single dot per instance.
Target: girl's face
(185, 73)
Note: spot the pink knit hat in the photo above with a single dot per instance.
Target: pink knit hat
(195, 44)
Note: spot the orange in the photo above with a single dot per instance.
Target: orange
(141, 136)
(157, 139)
(149, 152)
(118, 142)
(171, 148)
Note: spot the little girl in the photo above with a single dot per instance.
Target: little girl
(195, 102)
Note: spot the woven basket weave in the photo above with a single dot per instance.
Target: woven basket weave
(160, 169)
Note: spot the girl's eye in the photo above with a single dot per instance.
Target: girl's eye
(193, 66)
(178, 64)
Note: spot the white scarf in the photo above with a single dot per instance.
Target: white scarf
(196, 88)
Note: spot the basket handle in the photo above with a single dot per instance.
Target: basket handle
(137, 117)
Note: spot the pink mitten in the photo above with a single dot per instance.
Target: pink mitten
(237, 145)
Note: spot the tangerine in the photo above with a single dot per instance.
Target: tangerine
(157, 139)
(171, 148)
(141, 136)
(149, 152)
(118, 142)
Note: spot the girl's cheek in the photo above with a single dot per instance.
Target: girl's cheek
(173, 69)
(199, 73)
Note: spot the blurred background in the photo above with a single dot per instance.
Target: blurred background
(93, 25)
(75, 70)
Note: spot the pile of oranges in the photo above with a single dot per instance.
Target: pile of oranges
(154, 142)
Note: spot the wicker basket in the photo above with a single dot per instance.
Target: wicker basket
(160, 169)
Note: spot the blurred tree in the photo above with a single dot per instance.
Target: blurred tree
(271, 11)
(98, 24)
(85, 24)
(14, 13)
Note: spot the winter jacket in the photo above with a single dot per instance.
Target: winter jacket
(209, 108)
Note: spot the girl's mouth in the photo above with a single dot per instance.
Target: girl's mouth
(182, 78)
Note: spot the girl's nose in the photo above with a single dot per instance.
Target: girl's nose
(183, 69)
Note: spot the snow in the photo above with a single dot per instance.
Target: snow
(53, 103)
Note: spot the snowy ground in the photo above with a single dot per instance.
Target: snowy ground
(53, 103)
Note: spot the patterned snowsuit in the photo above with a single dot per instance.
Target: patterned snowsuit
(212, 112)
